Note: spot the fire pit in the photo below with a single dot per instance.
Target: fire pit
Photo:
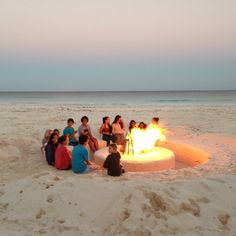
(141, 153)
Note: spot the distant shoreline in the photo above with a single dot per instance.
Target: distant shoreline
(126, 91)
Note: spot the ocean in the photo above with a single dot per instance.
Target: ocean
(173, 98)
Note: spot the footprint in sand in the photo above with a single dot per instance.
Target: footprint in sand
(223, 218)
(3, 206)
(50, 199)
(40, 174)
(40, 213)
(1, 193)
(49, 185)
(191, 207)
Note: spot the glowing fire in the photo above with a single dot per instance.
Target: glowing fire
(142, 141)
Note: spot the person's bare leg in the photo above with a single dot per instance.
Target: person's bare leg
(91, 145)
(96, 144)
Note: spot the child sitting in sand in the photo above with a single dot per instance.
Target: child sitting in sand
(70, 132)
(45, 140)
(112, 162)
(80, 161)
(142, 126)
(63, 154)
(132, 125)
(50, 149)
(84, 129)
(154, 122)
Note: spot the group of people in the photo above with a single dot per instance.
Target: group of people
(56, 149)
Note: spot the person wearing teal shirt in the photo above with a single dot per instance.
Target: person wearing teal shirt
(80, 160)
(69, 131)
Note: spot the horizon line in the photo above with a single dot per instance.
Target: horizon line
(115, 91)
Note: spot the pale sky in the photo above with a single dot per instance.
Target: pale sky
(117, 45)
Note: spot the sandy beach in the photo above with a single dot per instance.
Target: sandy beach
(36, 199)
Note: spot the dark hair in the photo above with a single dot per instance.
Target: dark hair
(144, 125)
(70, 120)
(130, 124)
(104, 119)
(156, 119)
(116, 119)
(84, 118)
(56, 131)
(83, 139)
(52, 137)
(62, 139)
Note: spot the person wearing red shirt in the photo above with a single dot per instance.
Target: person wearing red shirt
(63, 154)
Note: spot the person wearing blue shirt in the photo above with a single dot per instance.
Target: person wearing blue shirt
(80, 160)
(69, 131)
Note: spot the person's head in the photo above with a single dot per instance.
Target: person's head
(117, 119)
(53, 138)
(83, 139)
(106, 120)
(47, 134)
(132, 124)
(70, 122)
(84, 120)
(63, 140)
(57, 132)
(142, 125)
(155, 120)
(112, 148)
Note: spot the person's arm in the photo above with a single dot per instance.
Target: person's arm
(101, 128)
(90, 132)
(88, 162)
(106, 163)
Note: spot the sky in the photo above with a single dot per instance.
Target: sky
(106, 45)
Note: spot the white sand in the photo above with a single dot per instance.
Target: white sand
(36, 199)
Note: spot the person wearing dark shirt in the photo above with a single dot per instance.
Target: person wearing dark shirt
(50, 149)
(112, 162)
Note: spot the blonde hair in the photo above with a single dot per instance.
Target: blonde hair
(46, 136)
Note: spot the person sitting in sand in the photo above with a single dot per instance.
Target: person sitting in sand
(154, 122)
(106, 130)
(142, 126)
(45, 140)
(118, 131)
(84, 129)
(70, 132)
(57, 132)
(63, 154)
(112, 162)
(80, 162)
(132, 125)
(50, 149)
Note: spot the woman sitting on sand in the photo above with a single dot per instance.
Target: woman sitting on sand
(106, 130)
(85, 129)
(50, 149)
(118, 132)
(63, 154)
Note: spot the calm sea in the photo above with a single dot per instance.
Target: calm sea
(121, 98)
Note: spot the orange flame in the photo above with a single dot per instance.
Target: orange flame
(141, 141)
